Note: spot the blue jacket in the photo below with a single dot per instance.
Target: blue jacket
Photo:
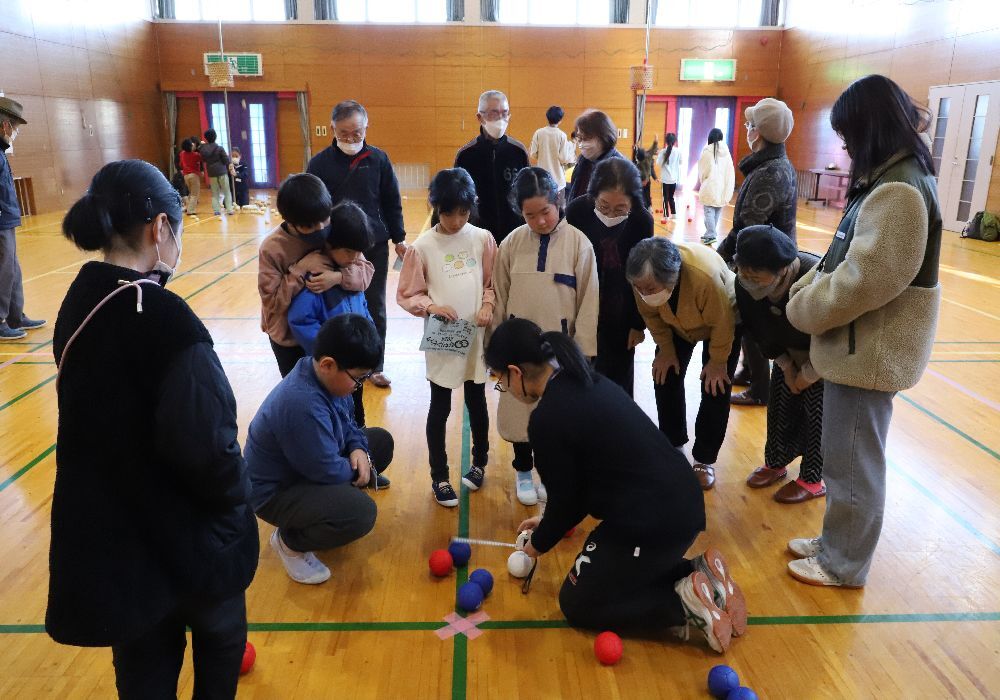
(301, 433)
(309, 310)
(10, 210)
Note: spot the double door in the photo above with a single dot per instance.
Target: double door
(964, 127)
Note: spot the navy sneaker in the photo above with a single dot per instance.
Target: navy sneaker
(28, 324)
(444, 494)
(378, 482)
(9, 334)
(474, 478)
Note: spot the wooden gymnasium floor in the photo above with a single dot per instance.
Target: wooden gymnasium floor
(926, 626)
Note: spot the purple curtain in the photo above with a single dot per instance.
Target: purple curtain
(253, 128)
(703, 121)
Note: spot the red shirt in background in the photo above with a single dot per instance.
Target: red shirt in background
(190, 162)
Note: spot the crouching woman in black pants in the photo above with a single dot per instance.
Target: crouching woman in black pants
(151, 529)
(598, 454)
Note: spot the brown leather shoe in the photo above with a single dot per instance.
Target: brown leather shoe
(380, 380)
(744, 398)
(765, 476)
(705, 474)
(793, 492)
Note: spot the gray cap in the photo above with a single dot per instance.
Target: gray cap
(772, 118)
(11, 109)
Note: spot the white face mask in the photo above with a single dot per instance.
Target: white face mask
(610, 221)
(236, 161)
(590, 149)
(496, 129)
(350, 148)
(658, 299)
(162, 272)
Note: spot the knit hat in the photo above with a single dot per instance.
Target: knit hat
(12, 110)
(763, 247)
(772, 119)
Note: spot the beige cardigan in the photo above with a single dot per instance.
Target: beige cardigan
(706, 306)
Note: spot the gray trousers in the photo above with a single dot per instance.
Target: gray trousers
(11, 288)
(855, 426)
(220, 185)
(712, 216)
(323, 516)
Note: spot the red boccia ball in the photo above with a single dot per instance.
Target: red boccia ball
(608, 648)
(441, 562)
(249, 657)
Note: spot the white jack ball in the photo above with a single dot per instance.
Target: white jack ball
(519, 564)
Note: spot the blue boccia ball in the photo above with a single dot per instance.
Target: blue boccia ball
(470, 596)
(742, 693)
(722, 680)
(460, 553)
(484, 579)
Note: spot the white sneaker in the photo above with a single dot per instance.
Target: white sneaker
(702, 613)
(804, 548)
(543, 495)
(809, 571)
(301, 567)
(526, 492)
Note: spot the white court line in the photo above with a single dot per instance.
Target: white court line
(60, 269)
(972, 308)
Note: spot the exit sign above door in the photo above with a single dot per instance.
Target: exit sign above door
(708, 69)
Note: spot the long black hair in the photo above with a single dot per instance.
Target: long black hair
(124, 196)
(671, 140)
(876, 119)
(518, 341)
(714, 136)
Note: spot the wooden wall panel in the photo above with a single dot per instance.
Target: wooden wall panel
(89, 90)
(420, 83)
(828, 45)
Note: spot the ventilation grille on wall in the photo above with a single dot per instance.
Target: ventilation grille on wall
(413, 176)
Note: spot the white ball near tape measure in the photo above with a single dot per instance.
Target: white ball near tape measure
(519, 564)
(522, 539)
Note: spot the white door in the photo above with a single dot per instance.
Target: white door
(966, 120)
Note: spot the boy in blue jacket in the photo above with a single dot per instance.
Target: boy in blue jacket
(308, 460)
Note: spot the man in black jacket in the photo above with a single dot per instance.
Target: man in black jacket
(13, 323)
(352, 169)
(493, 159)
(768, 196)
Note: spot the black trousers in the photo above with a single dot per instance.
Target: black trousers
(437, 423)
(646, 196)
(614, 360)
(669, 205)
(758, 370)
(287, 359)
(147, 668)
(323, 516)
(795, 427)
(524, 459)
(616, 585)
(713, 411)
(378, 256)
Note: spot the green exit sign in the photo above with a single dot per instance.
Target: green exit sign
(708, 69)
(246, 64)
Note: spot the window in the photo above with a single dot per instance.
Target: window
(940, 127)
(722, 122)
(220, 126)
(258, 143)
(972, 157)
(587, 12)
(230, 10)
(392, 11)
(708, 13)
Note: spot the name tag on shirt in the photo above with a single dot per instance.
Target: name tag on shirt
(841, 234)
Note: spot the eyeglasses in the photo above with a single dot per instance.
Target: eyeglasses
(748, 126)
(359, 381)
(623, 210)
(494, 114)
(351, 136)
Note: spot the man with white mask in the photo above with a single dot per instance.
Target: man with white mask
(353, 169)
(493, 159)
(13, 323)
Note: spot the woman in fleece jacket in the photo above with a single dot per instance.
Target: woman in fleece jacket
(871, 306)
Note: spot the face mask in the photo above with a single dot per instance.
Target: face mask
(751, 142)
(316, 239)
(658, 299)
(13, 135)
(590, 148)
(758, 291)
(350, 148)
(236, 161)
(610, 221)
(496, 129)
(161, 272)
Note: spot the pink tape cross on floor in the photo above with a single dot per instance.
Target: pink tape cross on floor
(462, 625)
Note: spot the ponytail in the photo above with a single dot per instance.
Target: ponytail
(88, 223)
(519, 341)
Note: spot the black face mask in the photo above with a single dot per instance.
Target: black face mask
(316, 239)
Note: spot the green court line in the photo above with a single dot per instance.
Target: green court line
(27, 467)
(460, 655)
(23, 394)
(214, 258)
(991, 452)
(220, 278)
(418, 626)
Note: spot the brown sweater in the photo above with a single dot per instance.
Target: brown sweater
(284, 260)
